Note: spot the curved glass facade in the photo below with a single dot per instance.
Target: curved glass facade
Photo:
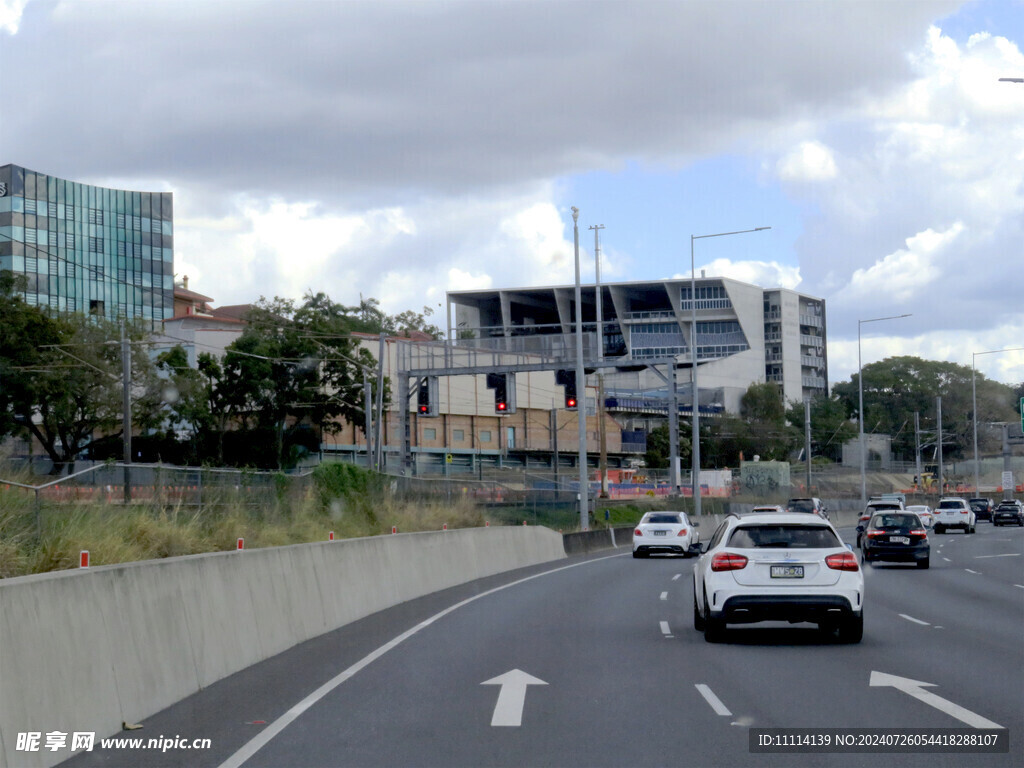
(88, 249)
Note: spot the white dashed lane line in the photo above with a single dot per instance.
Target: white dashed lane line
(664, 596)
(676, 577)
(714, 701)
(665, 630)
(976, 573)
(916, 621)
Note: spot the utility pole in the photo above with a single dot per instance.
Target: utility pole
(368, 420)
(938, 441)
(126, 416)
(807, 439)
(917, 450)
(378, 442)
(602, 466)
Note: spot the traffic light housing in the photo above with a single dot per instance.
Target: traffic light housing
(504, 386)
(567, 378)
(427, 396)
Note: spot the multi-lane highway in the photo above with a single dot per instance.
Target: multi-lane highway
(594, 662)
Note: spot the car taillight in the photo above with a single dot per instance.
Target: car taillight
(842, 561)
(918, 532)
(728, 561)
(638, 532)
(963, 511)
(872, 534)
(682, 532)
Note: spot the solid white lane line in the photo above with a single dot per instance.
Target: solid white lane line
(664, 596)
(665, 630)
(916, 621)
(984, 557)
(251, 747)
(976, 573)
(714, 701)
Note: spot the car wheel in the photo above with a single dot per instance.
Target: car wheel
(923, 563)
(972, 529)
(851, 630)
(713, 628)
(636, 554)
(698, 620)
(939, 529)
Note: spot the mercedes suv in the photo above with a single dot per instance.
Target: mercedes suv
(778, 567)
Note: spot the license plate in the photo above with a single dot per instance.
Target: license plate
(660, 533)
(787, 571)
(899, 539)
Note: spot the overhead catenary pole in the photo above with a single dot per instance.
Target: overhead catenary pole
(581, 388)
(807, 439)
(126, 416)
(602, 465)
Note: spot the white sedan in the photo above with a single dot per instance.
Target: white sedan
(924, 512)
(670, 533)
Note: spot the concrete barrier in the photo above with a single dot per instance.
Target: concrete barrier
(86, 650)
(592, 541)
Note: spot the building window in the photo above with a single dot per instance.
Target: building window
(95, 216)
(485, 435)
(429, 433)
(458, 435)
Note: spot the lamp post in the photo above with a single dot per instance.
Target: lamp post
(860, 407)
(974, 407)
(581, 389)
(695, 408)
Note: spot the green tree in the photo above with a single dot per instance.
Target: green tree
(898, 387)
(293, 365)
(831, 425)
(763, 410)
(74, 396)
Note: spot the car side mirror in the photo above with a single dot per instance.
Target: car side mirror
(860, 529)
(695, 525)
(849, 546)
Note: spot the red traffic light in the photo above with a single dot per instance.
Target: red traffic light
(501, 406)
(570, 402)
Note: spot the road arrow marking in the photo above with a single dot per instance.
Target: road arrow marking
(915, 688)
(512, 697)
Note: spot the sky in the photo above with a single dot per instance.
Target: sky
(399, 150)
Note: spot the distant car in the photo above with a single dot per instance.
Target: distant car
(808, 504)
(770, 508)
(982, 508)
(896, 537)
(924, 512)
(876, 504)
(782, 567)
(954, 512)
(669, 533)
(1009, 512)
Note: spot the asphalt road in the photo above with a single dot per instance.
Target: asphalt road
(602, 667)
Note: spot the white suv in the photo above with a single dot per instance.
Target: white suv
(953, 512)
(778, 567)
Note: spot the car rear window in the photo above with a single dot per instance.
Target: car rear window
(951, 504)
(977, 504)
(783, 536)
(663, 519)
(802, 505)
(895, 521)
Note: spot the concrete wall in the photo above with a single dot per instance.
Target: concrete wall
(86, 650)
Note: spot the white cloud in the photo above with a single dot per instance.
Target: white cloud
(810, 161)
(10, 15)
(762, 273)
(905, 274)
(460, 280)
(878, 343)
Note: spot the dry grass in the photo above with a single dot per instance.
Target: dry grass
(347, 501)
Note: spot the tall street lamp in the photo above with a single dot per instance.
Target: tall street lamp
(974, 406)
(860, 408)
(695, 408)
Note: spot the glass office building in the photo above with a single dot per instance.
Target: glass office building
(88, 249)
